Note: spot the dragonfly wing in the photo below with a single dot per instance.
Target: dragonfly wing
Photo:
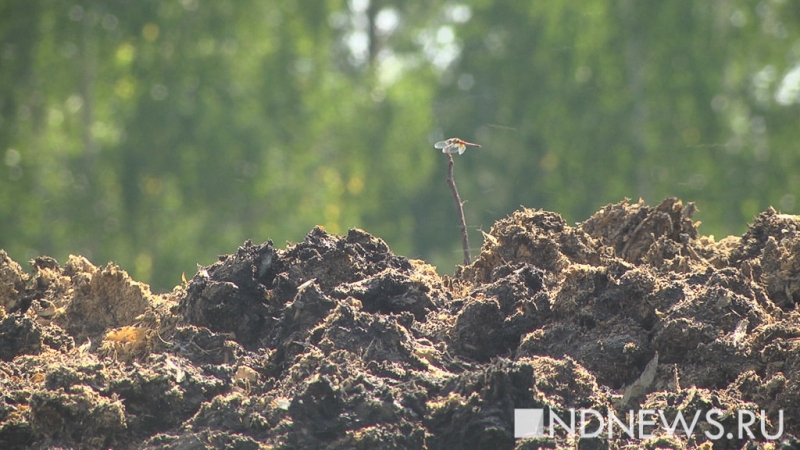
(440, 144)
(461, 149)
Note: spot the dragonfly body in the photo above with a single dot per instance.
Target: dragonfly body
(454, 145)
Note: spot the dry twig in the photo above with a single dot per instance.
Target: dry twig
(448, 148)
(459, 209)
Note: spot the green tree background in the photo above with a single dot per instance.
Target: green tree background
(158, 134)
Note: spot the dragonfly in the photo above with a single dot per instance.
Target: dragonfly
(453, 145)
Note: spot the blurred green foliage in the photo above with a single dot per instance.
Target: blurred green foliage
(158, 134)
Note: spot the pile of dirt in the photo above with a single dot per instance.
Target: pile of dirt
(337, 343)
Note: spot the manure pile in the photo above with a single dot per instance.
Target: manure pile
(337, 343)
